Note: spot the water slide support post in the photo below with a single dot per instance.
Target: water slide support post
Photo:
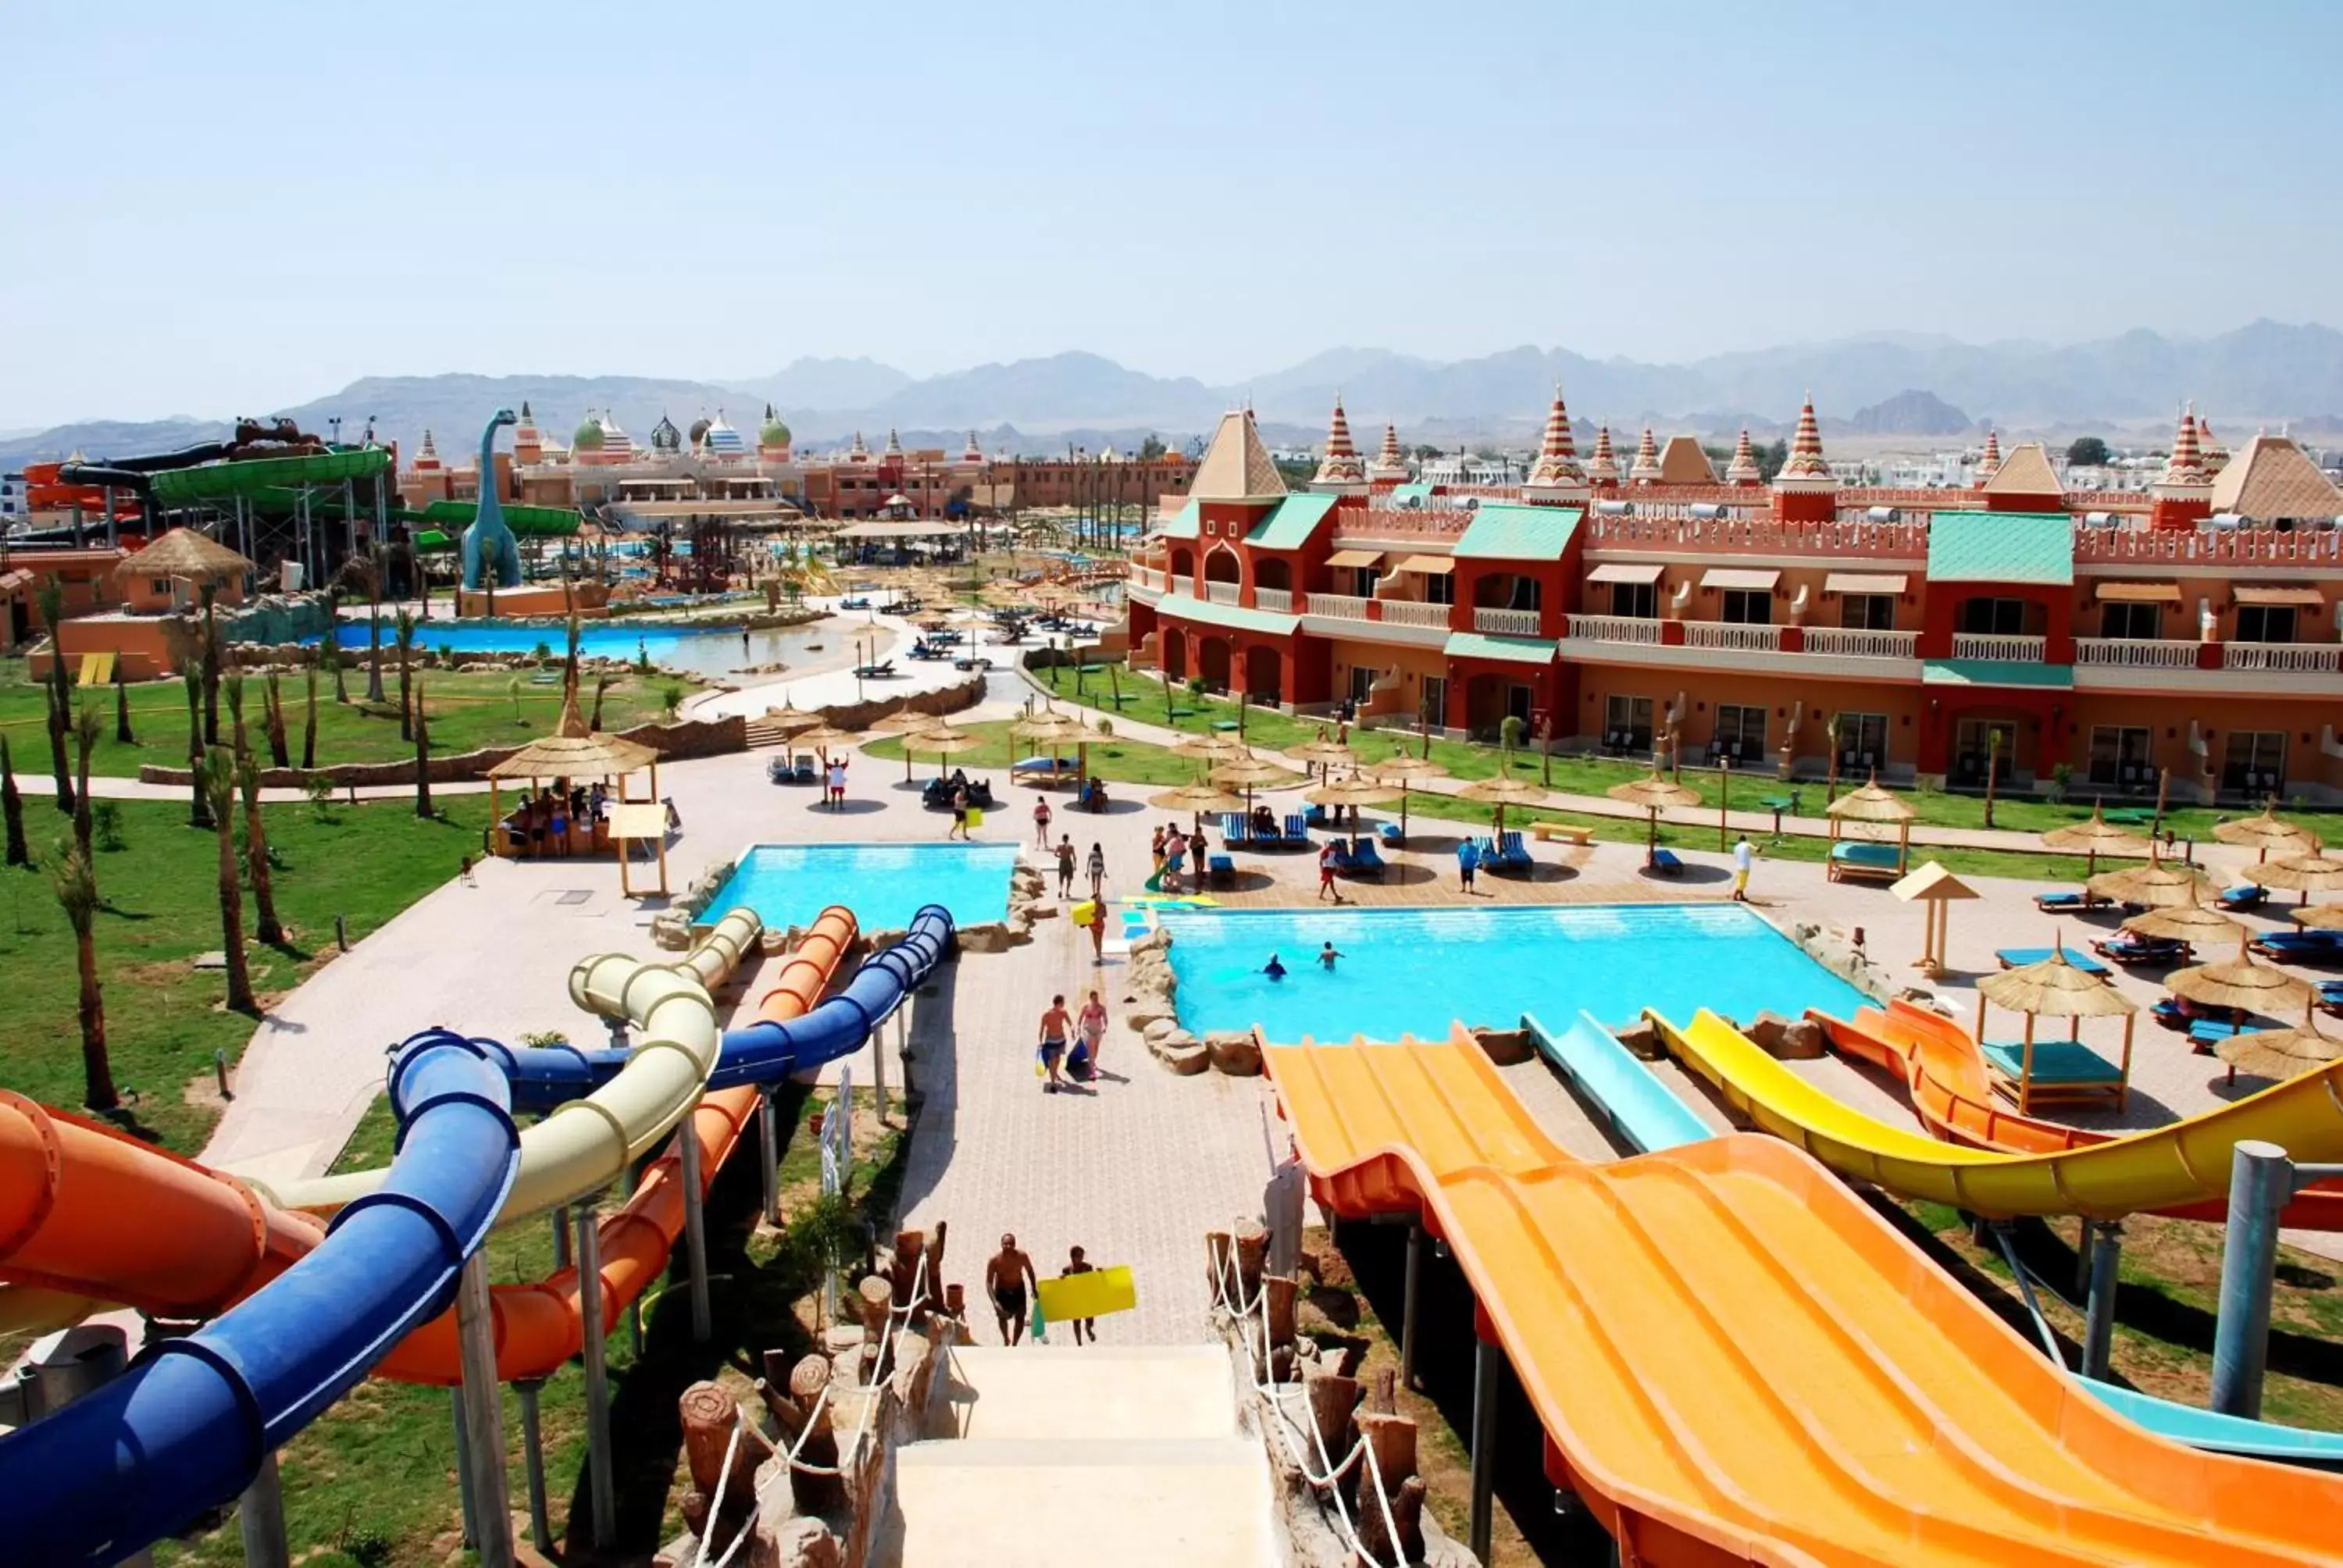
(2099, 1312)
(768, 1155)
(260, 1518)
(532, 1443)
(604, 1520)
(1409, 1297)
(479, 1406)
(463, 1463)
(2259, 1184)
(1486, 1359)
(561, 1259)
(694, 1231)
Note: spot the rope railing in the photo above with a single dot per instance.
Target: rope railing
(1230, 1291)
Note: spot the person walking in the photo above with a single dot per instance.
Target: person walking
(1468, 860)
(1745, 859)
(1042, 822)
(1096, 866)
(1326, 872)
(1066, 866)
(1090, 1028)
(1007, 1275)
(1076, 1264)
(1097, 923)
(1155, 851)
(1056, 1027)
(960, 814)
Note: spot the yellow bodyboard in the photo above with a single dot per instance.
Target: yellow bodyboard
(96, 668)
(1081, 914)
(1090, 1295)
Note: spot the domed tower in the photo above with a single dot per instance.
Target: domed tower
(2216, 457)
(1805, 491)
(857, 452)
(1990, 460)
(773, 437)
(427, 457)
(971, 452)
(1390, 467)
(1556, 477)
(1742, 469)
(699, 434)
(1645, 469)
(586, 441)
(2183, 493)
(893, 453)
(528, 445)
(667, 441)
(1603, 469)
(1340, 471)
(721, 441)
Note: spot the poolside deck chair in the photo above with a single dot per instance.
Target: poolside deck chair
(2066, 901)
(1512, 853)
(1389, 833)
(1221, 870)
(1297, 828)
(1235, 828)
(1665, 863)
(2310, 947)
(1344, 863)
(1315, 816)
(804, 773)
(1366, 861)
(2018, 958)
(777, 770)
(2128, 949)
(2249, 896)
(1862, 858)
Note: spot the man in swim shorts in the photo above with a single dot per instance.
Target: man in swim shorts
(1056, 1027)
(1007, 1274)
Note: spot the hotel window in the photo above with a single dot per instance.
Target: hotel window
(1994, 616)
(1740, 733)
(2264, 623)
(1975, 741)
(1862, 741)
(1627, 723)
(1867, 612)
(2140, 622)
(1364, 580)
(1435, 699)
(1363, 683)
(2255, 762)
(2121, 755)
(1439, 588)
(1748, 607)
(1637, 601)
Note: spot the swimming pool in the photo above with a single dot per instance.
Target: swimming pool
(701, 649)
(1416, 971)
(884, 884)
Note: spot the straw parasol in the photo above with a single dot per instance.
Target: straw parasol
(1051, 729)
(940, 742)
(1214, 748)
(1249, 773)
(1406, 769)
(1322, 753)
(2241, 984)
(2184, 922)
(2054, 988)
(2305, 874)
(574, 751)
(1935, 890)
(2267, 832)
(2278, 1053)
(2159, 884)
(1653, 795)
(822, 736)
(2323, 917)
(2096, 837)
(906, 721)
(1195, 800)
(791, 719)
(1352, 792)
(184, 553)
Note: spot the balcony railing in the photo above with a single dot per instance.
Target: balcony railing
(1855, 642)
(2284, 657)
(1340, 605)
(2002, 649)
(1221, 593)
(1401, 523)
(1758, 535)
(1414, 612)
(2241, 547)
(2135, 652)
(1147, 577)
(1732, 637)
(1616, 628)
(1505, 622)
(1275, 600)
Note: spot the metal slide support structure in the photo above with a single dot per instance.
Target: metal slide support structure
(532, 1443)
(2261, 1181)
(561, 1237)
(1410, 1295)
(768, 1155)
(481, 1405)
(605, 1517)
(695, 1232)
(260, 1518)
(1487, 1362)
(466, 1509)
(2099, 1309)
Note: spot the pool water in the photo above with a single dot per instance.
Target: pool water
(700, 649)
(884, 884)
(1416, 971)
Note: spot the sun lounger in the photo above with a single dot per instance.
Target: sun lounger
(1366, 861)
(2249, 896)
(1389, 833)
(2312, 947)
(1859, 858)
(1221, 870)
(2205, 1033)
(2067, 901)
(873, 671)
(2062, 1069)
(2133, 949)
(1297, 828)
(1665, 863)
(2018, 958)
(804, 773)
(779, 771)
(1315, 816)
(1513, 852)
(2330, 990)
(1235, 828)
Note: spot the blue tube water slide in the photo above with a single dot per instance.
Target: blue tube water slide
(544, 1077)
(186, 1429)
(1646, 1115)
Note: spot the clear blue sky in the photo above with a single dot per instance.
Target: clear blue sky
(214, 208)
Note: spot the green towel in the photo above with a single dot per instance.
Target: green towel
(1039, 1327)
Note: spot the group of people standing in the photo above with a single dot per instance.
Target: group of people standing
(1084, 1032)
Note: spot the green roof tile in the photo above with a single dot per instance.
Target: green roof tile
(2001, 548)
(1184, 524)
(1992, 672)
(1506, 531)
(1290, 525)
(1234, 616)
(1516, 649)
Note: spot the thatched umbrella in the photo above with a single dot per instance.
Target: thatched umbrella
(2278, 1053)
(2320, 917)
(574, 751)
(2241, 985)
(1249, 773)
(1322, 753)
(2096, 837)
(2159, 884)
(184, 553)
(907, 721)
(942, 740)
(1405, 770)
(1352, 792)
(822, 736)
(1215, 748)
(1872, 804)
(1194, 801)
(2054, 988)
(790, 720)
(1653, 795)
(2267, 832)
(1936, 890)
(2184, 922)
(1053, 729)
(2303, 874)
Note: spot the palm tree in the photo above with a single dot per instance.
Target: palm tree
(234, 686)
(121, 707)
(200, 810)
(374, 622)
(218, 777)
(58, 693)
(75, 881)
(404, 632)
(601, 685)
(86, 729)
(11, 808)
(422, 746)
(210, 592)
(310, 719)
(280, 752)
(265, 926)
(1831, 732)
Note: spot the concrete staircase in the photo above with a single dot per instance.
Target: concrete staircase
(1092, 1456)
(763, 734)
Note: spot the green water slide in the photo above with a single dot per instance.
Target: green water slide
(527, 522)
(266, 480)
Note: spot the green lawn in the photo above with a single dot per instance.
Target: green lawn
(467, 712)
(372, 1483)
(1594, 775)
(163, 1020)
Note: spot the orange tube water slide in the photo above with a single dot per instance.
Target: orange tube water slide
(134, 1224)
(540, 1326)
(1735, 1360)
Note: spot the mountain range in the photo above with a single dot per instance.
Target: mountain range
(1880, 384)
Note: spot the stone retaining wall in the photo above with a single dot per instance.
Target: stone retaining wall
(942, 700)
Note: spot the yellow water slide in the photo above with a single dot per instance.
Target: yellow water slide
(1737, 1361)
(2164, 1168)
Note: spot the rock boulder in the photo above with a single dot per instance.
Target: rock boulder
(1234, 1051)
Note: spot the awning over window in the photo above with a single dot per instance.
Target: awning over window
(1626, 572)
(1740, 577)
(2265, 593)
(2139, 593)
(1430, 565)
(1354, 558)
(1863, 582)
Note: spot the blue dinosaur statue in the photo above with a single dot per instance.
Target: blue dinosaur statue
(489, 543)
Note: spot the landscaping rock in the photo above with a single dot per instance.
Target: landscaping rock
(1159, 1028)
(1642, 1038)
(992, 937)
(1181, 1051)
(1505, 1047)
(1803, 1040)
(1234, 1051)
(1154, 942)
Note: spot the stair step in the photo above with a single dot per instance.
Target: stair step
(1090, 1392)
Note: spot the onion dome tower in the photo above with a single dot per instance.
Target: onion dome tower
(773, 437)
(1557, 476)
(1645, 469)
(1341, 472)
(588, 437)
(1742, 469)
(1603, 469)
(666, 439)
(528, 444)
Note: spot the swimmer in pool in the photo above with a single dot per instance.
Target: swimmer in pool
(1274, 970)
(1326, 956)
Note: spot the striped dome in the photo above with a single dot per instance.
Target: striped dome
(724, 441)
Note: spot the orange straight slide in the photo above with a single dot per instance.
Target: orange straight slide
(540, 1326)
(1735, 1360)
(136, 1224)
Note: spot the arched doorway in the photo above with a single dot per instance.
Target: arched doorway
(1212, 662)
(1183, 566)
(1221, 566)
(1175, 653)
(1264, 674)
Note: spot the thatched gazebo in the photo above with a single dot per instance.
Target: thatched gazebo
(574, 752)
(2067, 1068)
(1052, 730)
(184, 553)
(1857, 857)
(2267, 832)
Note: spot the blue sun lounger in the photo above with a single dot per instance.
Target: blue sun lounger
(1861, 857)
(2018, 958)
(2249, 896)
(2067, 902)
(1297, 828)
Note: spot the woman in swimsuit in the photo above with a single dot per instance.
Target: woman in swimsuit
(1090, 1034)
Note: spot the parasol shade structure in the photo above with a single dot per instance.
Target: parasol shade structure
(2095, 837)
(1052, 730)
(1215, 748)
(2278, 1053)
(792, 719)
(1324, 753)
(822, 736)
(2159, 884)
(906, 721)
(2319, 917)
(2055, 987)
(2186, 922)
(574, 751)
(1350, 794)
(2240, 984)
(1195, 800)
(184, 553)
(1935, 890)
(1870, 803)
(1406, 770)
(1249, 773)
(2303, 874)
(2267, 833)
(1653, 795)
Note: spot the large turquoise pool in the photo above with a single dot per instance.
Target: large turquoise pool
(700, 649)
(884, 884)
(1416, 971)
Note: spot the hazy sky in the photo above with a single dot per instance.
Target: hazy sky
(214, 208)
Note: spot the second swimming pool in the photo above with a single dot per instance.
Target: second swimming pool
(884, 884)
(1416, 971)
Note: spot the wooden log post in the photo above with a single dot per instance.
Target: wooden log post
(711, 1419)
(1382, 1396)
(1331, 1401)
(815, 1493)
(1406, 1520)
(1253, 1254)
(936, 1265)
(903, 1268)
(874, 1300)
(1390, 1439)
(1283, 1294)
(1216, 1265)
